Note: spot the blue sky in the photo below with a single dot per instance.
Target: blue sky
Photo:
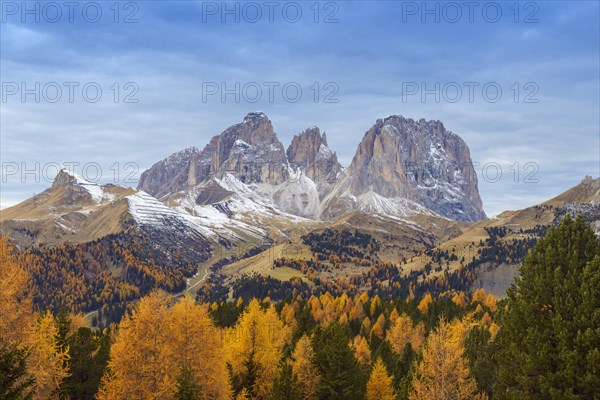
(375, 58)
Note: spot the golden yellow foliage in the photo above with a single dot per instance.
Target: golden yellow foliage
(376, 305)
(424, 304)
(486, 321)
(46, 361)
(494, 328)
(443, 372)
(379, 327)
(140, 367)
(365, 326)
(394, 314)
(478, 296)
(18, 326)
(243, 395)
(362, 351)
(258, 337)
(303, 365)
(288, 313)
(380, 386)
(196, 342)
(364, 297)
(16, 314)
(404, 331)
(490, 302)
(460, 299)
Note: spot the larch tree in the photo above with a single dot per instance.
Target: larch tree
(424, 303)
(549, 339)
(34, 340)
(16, 313)
(303, 366)
(195, 343)
(380, 385)
(404, 331)
(140, 367)
(47, 361)
(443, 372)
(254, 350)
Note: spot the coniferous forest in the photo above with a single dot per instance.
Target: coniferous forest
(541, 342)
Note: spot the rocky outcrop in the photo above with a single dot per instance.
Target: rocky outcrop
(420, 161)
(314, 170)
(310, 153)
(171, 174)
(250, 151)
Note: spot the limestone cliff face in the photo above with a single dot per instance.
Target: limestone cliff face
(310, 153)
(250, 151)
(415, 160)
(401, 167)
(171, 174)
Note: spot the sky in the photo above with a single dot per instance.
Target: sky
(110, 88)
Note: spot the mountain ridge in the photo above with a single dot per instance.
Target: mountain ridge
(402, 166)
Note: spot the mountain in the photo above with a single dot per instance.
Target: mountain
(78, 211)
(406, 211)
(402, 167)
(249, 150)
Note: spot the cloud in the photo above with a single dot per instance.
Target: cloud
(369, 54)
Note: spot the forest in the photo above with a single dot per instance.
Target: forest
(541, 342)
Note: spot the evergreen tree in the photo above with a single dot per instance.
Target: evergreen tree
(549, 339)
(188, 387)
(480, 350)
(89, 353)
(286, 385)
(341, 376)
(15, 384)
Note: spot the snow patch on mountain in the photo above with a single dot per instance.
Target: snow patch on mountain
(298, 195)
(96, 191)
(400, 207)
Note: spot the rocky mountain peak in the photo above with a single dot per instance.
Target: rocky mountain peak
(590, 181)
(417, 160)
(249, 150)
(255, 118)
(310, 153)
(63, 178)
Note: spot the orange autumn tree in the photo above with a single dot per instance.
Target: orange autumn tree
(362, 352)
(443, 372)
(139, 366)
(19, 327)
(303, 366)
(195, 342)
(156, 342)
(46, 360)
(404, 331)
(16, 312)
(254, 348)
(380, 386)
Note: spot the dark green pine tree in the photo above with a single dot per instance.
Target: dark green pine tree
(550, 332)
(480, 351)
(88, 356)
(14, 383)
(286, 386)
(341, 376)
(188, 387)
